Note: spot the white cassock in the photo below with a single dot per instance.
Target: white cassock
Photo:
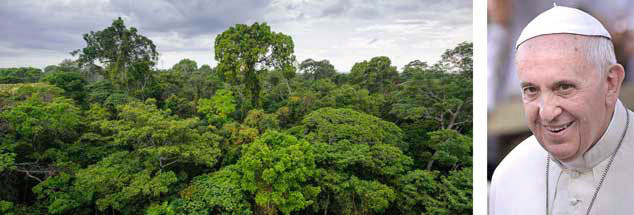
(519, 182)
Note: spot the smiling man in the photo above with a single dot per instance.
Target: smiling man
(581, 155)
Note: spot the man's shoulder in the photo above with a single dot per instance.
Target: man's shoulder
(525, 158)
(518, 181)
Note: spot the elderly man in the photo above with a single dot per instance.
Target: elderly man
(580, 159)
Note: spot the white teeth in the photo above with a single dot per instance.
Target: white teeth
(558, 129)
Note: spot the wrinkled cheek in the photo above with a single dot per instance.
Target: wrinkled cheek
(531, 112)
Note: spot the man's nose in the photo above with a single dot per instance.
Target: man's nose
(549, 108)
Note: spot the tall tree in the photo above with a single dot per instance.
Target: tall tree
(244, 52)
(185, 66)
(377, 75)
(119, 48)
(315, 70)
(459, 59)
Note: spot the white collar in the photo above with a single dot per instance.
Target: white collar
(606, 144)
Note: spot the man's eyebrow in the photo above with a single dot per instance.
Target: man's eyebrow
(526, 84)
(564, 82)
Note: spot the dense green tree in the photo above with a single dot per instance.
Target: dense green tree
(274, 172)
(418, 190)
(123, 181)
(185, 67)
(377, 75)
(330, 125)
(315, 70)
(219, 108)
(459, 59)
(12, 94)
(411, 68)
(347, 96)
(99, 91)
(39, 126)
(32, 143)
(180, 106)
(456, 193)
(19, 75)
(168, 139)
(71, 82)
(450, 149)
(437, 96)
(277, 170)
(203, 83)
(120, 49)
(261, 121)
(219, 192)
(66, 65)
(244, 52)
(357, 178)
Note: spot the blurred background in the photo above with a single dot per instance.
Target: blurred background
(506, 18)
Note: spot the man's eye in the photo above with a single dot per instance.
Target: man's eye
(565, 87)
(530, 91)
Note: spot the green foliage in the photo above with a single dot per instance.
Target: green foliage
(347, 96)
(7, 208)
(261, 121)
(456, 193)
(216, 193)
(345, 194)
(417, 191)
(39, 123)
(121, 49)
(451, 149)
(123, 180)
(180, 106)
(11, 94)
(330, 125)
(459, 59)
(7, 158)
(277, 169)
(439, 95)
(244, 52)
(219, 108)
(315, 70)
(162, 209)
(274, 171)
(99, 91)
(59, 202)
(185, 67)
(356, 178)
(166, 138)
(376, 75)
(19, 75)
(71, 82)
(110, 134)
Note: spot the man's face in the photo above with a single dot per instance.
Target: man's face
(564, 95)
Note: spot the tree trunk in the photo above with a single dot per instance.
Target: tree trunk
(429, 164)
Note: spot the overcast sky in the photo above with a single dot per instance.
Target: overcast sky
(41, 33)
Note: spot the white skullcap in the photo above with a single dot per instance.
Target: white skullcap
(560, 20)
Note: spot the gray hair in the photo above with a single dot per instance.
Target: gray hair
(600, 52)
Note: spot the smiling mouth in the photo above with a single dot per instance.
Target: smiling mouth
(559, 129)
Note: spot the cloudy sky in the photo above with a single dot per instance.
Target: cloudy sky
(41, 33)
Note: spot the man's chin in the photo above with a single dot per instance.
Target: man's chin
(563, 151)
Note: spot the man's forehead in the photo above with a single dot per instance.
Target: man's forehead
(566, 41)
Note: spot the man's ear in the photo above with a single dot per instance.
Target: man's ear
(614, 78)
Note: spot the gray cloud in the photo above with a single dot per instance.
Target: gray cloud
(337, 8)
(343, 31)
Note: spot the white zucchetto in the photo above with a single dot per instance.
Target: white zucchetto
(562, 20)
